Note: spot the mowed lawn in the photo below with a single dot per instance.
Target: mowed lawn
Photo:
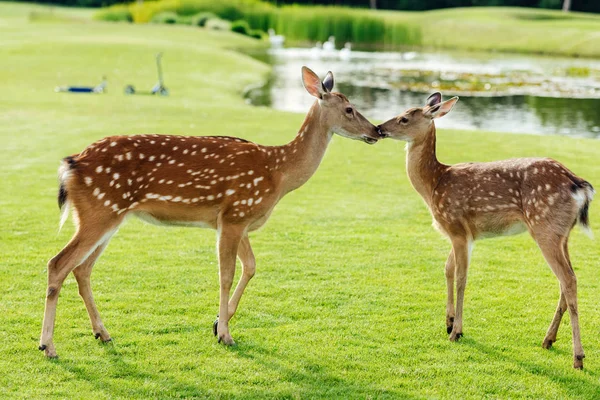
(349, 296)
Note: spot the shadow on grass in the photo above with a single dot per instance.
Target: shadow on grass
(312, 380)
(572, 381)
(126, 379)
(113, 382)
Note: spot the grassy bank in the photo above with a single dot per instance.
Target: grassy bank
(491, 28)
(349, 297)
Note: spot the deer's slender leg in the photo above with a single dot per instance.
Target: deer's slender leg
(246, 257)
(229, 240)
(461, 250)
(450, 270)
(553, 328)
(553, 251)
(83, 243)
(560, 309)
(82, 274)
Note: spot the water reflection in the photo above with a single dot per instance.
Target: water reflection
(376, 84)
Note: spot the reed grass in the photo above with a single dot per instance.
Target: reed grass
(507, 29)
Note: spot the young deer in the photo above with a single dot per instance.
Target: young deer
(473, 201)
(223, 183)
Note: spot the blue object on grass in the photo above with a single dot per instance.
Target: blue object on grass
(84, 89)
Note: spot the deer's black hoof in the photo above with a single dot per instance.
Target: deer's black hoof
(97, 335)
(42, 347)
(215, 326)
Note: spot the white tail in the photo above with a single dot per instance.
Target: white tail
(478, 200)
(224, 183)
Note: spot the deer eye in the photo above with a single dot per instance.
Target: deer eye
(349, 110)
(404, 120)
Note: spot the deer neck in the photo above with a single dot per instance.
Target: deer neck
(299, 159)
(422, 165)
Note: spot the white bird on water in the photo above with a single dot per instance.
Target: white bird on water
(346, 51)
(276, 40)
(329, 45)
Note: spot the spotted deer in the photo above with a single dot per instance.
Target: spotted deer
(473, 201)
(223, 183)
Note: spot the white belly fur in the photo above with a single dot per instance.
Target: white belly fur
(151, 220)
(514, 229)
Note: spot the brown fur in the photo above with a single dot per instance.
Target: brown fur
(473, 201)
(219, 182)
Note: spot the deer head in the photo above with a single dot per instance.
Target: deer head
(337, 112)
(414, 123)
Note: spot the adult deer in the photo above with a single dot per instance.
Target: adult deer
(223, 183)
(473, 201)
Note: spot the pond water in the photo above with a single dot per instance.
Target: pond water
(498, 92)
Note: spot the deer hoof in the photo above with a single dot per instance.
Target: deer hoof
(578, 362)
(455, 336)
(215, 326)
(227, 340)
(97, 335)
(449, 324)
(547, 343)
(42, 347)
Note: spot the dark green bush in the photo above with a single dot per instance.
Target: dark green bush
(256, 33)
(240, 26)
(201, 18)
(165, 17)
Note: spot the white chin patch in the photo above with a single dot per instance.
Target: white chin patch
(342, 132)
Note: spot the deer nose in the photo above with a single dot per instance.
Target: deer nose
(381, 134)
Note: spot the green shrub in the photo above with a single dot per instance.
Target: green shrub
(218, 24)
(184, 20)
(117, 13)
(200, 19)
(296, 23)
(165, 17)
(240, 26)
(256, 34)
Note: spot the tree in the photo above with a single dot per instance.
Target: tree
(566, 6)
(373, 4)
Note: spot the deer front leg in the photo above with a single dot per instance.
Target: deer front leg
(461, 250)
(229, 239)
(246, 257)
(450, 269)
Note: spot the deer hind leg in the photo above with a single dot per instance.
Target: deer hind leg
(82, 274)
(558, 260)
(83, 243)
(246, 257)
(550, 337)
(450, 271)
(553, 328)
(461, 250)
(229, 240)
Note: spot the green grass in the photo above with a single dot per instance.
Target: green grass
(349, 297)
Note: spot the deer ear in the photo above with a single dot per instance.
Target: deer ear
(328, 82)
(441, 109)
(434, 99)
(312, 83)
